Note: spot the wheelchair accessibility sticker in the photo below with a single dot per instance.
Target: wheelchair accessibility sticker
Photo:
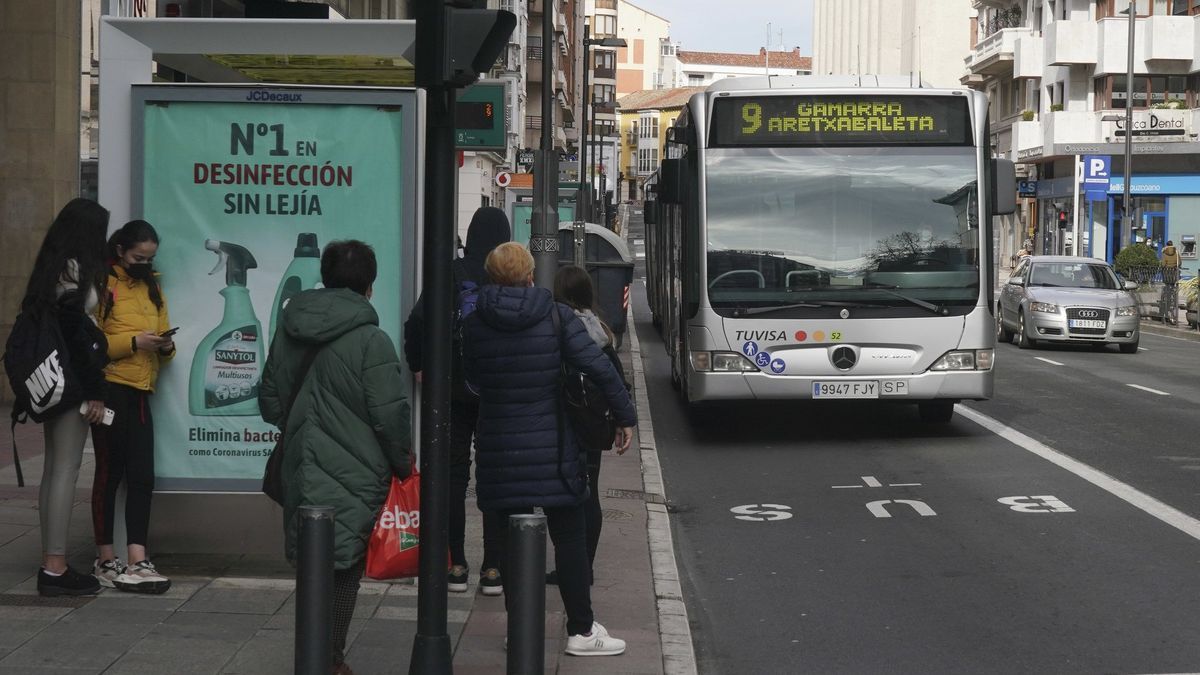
(762, 359)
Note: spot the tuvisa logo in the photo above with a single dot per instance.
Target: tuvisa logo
(235, 356)
(760, 335)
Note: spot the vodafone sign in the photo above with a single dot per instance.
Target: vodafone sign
(503, 178)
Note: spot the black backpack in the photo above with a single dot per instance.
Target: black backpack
(37, 361)
(466, 296)
(585, 404)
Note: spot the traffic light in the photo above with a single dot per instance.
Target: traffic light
(457, 40)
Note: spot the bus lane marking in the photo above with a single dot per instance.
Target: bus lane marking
(1152, 391)
(1123, 491)
(879, 508)
(1053, 363)
(1036, 504)
(873, 482)
(762, 512)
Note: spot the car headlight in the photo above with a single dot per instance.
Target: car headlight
(1127, 310)
(721, 362)
(964, 359)
(1044, 307)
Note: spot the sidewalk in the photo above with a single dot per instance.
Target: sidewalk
(235, 614)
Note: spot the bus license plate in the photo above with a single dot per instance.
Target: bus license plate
(1086, 323)
(861, 389)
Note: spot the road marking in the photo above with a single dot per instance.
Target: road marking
(1036, 504)
(873, 482)
(1053, 363)
(1152, 391)
(879, 508)
(761, 512)
(1143, 349)
(1168, 514)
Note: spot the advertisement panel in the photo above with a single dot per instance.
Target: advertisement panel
(246, 186)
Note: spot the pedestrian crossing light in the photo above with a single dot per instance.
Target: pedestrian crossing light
(473, 38)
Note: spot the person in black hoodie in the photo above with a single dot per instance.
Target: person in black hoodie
(67, 279)
(488, 229)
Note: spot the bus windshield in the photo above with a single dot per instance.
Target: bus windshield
(890, 231)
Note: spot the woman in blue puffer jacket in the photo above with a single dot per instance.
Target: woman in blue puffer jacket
(513, 349)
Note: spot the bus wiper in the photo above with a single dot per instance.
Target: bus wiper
(815, 304)
(936, 309)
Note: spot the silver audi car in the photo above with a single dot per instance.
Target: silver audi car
(1065, 299)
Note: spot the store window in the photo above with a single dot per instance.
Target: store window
(1149, 90)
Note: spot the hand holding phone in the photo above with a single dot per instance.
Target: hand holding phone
(169, 333)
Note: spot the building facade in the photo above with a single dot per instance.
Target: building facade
(645, 116)
(700, 69)
(892, 37)
(1056, 75)
(648, 61)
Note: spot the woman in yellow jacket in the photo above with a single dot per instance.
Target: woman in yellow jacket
(134, 319)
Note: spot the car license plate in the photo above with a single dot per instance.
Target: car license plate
(859, 389)
(1086, 323)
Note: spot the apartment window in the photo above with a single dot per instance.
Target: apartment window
(1116, 8)
(1148, 90)
(668, 49)
(695, 80)
(1183, 7)
(605, 59)
(605, 25)
(604, 93)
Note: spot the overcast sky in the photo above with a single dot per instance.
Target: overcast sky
(705, 25)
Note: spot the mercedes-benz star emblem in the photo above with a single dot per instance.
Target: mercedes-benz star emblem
(843, 358)
(845, 313)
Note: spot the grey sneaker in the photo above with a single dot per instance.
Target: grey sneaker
(107, 572)
(141, 577)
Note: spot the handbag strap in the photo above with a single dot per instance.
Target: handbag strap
(558, 393)
(305, 365)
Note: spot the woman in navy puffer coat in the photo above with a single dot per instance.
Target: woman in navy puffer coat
(512, 355)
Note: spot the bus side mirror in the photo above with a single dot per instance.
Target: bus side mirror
(650, 212)
(1003, 195)
(668, 181)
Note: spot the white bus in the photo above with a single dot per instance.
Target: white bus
(828, 238)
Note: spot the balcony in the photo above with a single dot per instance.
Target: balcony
(1028, 56)
(1070, 42)
(1070, 126)
(604, 108)
(1171, 38)
(1026, 139)
(994, 55)
(604, 74)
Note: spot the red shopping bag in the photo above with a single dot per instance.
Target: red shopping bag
(393, 551)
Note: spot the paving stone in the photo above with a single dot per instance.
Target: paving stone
(267, 653)
(235, 601)
(178, 656)
(11, 514)
(94, 649)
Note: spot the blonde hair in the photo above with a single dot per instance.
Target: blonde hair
(509, 264)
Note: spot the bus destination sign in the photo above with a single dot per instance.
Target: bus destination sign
(792, 120)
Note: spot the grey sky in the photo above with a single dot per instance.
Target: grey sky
(740, 26)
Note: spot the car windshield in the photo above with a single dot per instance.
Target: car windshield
(893, 231)
(1072, 275)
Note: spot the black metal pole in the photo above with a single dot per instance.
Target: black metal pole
(525, 579)
(581, 205)
(314, 591)
(543, 242)
(1126, 236)
(431, 645)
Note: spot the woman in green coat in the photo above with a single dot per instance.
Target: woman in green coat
(348, 431)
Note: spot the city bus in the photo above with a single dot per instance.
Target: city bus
(818, 237)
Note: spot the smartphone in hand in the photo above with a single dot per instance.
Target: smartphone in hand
(170, 333)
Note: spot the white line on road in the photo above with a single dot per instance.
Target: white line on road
(1152, 391)
(1168, 514)
(1053, 363)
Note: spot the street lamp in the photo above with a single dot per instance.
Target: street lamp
(585, 170)
(1126, 205)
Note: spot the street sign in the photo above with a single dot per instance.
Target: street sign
(1027, 188)
(1097, 169)
(480, 117)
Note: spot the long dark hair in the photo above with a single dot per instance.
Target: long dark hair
(573, 287)
(131, 234)
(77, 233)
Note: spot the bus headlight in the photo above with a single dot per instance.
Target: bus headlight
(964, 359)
(721, 362)
(1044, 307)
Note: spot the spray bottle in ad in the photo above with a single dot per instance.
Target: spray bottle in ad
(303, 273)
(228, 363)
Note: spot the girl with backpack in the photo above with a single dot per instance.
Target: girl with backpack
(67, 281)
(573, 288)
(134, 318)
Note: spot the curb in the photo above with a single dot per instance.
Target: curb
(675, 634)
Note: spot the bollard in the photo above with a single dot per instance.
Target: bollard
(525, 580)
(314, 591)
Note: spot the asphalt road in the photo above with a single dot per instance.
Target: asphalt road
(848, 537)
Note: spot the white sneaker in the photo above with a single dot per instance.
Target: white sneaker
(107, 572)
(141, 577)
(596, 643)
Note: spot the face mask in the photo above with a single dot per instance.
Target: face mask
(140, 271)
